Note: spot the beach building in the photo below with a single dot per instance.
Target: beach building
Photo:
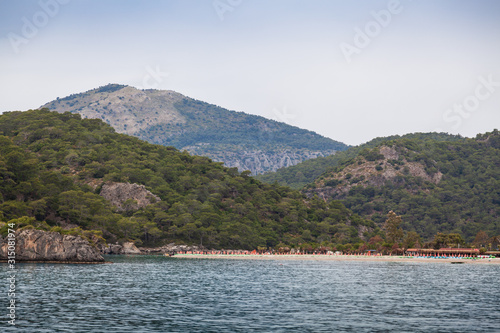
(444, 252)
(495, 254)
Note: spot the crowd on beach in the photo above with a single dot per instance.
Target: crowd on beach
(328, 253)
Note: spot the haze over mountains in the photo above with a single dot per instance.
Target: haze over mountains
(168, 118)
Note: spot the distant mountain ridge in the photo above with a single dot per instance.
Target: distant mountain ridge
(240, 140)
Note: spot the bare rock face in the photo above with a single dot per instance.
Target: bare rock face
(127, 109)
(130, 248)
(115, 249)
(126, 248)
(256, 160)
(39, 245)
(372, 173)
(110, 249)
(170, 248)
(126, 196)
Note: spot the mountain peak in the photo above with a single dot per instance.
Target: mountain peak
(166, 117)
(109, 88)
(125, 108)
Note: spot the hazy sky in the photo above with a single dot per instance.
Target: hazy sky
(349, 70)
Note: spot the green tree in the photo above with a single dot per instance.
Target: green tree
(53, 166)
(393, 232)
(481, 239)
(411, 240)
(129, 227)
(447, 240)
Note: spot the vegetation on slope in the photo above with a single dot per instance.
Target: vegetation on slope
(436, 186)
(210, 123)
(53, 165)
(304, 173)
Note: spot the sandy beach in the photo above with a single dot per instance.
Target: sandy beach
(402, 259)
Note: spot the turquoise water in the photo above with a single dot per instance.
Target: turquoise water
(159, 294)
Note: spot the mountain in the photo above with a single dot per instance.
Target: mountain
(301, 174)
(239, 140)
(76, 176)
(435, 185)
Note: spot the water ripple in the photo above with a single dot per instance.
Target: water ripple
(157, 294)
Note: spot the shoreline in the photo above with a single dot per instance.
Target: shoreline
(490, 261)
(57, 262)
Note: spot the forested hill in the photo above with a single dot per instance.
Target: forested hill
(57, 167)
(168, 118)
(304, 173)
(435, 185)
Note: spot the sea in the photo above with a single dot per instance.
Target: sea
(161, 294)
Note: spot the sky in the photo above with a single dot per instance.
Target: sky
(348, 70)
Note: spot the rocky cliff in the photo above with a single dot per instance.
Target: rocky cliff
(38, 245)
(126, 196)
(388, 166)
(260, 161)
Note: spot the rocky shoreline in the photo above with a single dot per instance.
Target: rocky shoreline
(46, 246)
(129, 248)
(39, 246)
(171, 248)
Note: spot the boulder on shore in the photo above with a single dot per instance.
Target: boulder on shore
(170, 248)
(126, 248)
(130, 248)
(39, 245)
